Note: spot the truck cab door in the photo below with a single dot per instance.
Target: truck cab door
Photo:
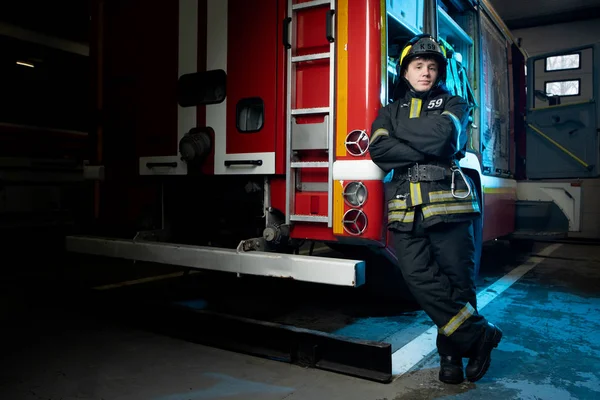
(562, 115)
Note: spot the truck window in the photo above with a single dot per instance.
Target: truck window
(563, 88)
(201, 88)
(250, 115)
(453, 32)
(563, 78)
(405, 20)
(495, 114)
(563, 62)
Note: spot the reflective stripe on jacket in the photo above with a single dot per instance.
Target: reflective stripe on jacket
(436, 201)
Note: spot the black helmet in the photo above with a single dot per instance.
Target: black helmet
(423, 46)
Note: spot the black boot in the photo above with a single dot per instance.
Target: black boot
(481, 354)
(451, 369)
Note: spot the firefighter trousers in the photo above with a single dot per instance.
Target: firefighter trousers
(437, 264)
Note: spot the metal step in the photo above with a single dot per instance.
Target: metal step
(309, 218)
(310, 57)
(310, 164)
(310, 4)
(309, 111)
(323, 270)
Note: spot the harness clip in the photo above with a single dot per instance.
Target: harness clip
(455, 168)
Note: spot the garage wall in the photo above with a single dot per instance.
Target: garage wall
(590, 216)
(543, 39)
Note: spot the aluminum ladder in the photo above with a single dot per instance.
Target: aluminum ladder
(304, 138)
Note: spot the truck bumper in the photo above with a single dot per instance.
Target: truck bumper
(316, 269)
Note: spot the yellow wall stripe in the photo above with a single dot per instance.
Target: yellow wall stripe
(338, 207)
(561, 147)
(496, 190)
(342, 77)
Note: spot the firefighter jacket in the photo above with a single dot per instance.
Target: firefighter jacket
(419, 139)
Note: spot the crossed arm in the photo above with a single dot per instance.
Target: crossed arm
(416, 139)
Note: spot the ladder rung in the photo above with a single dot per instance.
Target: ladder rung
(307, 111)
(310, 164)
(313, 187)
(310, 57)
(309, 218)
(309, 4)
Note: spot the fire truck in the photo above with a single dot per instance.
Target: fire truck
(235, 132)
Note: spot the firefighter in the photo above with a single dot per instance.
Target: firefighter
(418, 139)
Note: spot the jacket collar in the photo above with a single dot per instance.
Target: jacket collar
(404, 91)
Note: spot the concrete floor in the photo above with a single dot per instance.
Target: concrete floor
(551, 350)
